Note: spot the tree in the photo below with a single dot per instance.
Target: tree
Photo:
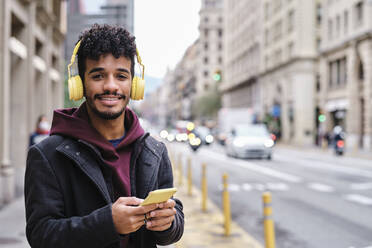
(207, 105)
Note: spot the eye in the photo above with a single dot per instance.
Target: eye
(122, 76)
(97, 76)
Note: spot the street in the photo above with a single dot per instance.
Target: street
(318, 200)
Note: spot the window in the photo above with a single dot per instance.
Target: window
(206, 46)
(338, 26)
(220, 60)
(206, 32)
(330, 30)
(206, 73)
(319, 14)
(290, 50)
(346, 21)
(219, 32)
(206, 60)
(290, 21)
(317, 83)
(219, 46)
(359, 13)
(338, 72)
(267, 10)
(278, 30)
(206, 19)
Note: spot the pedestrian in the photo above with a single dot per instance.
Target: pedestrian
(41, 130)
(84, 183)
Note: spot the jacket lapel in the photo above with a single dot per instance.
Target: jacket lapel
(87, 164)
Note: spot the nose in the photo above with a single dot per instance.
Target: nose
(111, 85)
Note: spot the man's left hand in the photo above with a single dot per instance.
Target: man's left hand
(161, 218)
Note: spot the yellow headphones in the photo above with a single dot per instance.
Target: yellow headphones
(75, 84)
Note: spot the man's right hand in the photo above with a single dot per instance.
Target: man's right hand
(128, 216)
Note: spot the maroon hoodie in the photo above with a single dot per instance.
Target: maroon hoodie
(75, 124)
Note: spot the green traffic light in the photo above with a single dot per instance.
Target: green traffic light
(217, 77)
(321, 118)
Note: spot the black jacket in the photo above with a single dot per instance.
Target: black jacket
(69, 194)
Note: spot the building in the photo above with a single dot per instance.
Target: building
(31, 79)
(182, 85)
(115, 12)
(211, 45)
(242, 55)
(289, 62)
(345, 71)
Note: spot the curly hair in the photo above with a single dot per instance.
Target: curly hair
(105, 39)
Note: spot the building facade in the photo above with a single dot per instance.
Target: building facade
(31, 79)
(211, 45)
(242, 55)
(289, 62)
(114, 12)
(345, 70)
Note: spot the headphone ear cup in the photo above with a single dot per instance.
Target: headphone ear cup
(75, 88)
(138, 88)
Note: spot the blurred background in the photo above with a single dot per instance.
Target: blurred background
(276, 92)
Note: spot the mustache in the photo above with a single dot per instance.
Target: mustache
(121, 96)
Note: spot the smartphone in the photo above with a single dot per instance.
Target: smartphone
(157, 196)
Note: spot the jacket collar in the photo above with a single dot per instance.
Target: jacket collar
(86, 163)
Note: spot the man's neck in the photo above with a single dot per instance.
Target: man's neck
(110, 129)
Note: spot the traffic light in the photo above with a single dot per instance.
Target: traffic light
(217, 76)
(321, 118)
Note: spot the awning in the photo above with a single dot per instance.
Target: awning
(336, 104)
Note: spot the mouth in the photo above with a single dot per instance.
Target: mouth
(109, 100)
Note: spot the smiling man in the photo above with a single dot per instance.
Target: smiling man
(84, 184)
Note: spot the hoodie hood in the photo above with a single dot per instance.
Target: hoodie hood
(75, 123)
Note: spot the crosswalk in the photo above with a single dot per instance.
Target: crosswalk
(319, 187)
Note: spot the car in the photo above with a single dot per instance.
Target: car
(249, 141)
(204, 134)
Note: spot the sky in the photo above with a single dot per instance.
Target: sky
(163, 29)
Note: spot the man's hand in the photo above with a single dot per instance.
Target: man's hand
(128, 216)
(161, 218)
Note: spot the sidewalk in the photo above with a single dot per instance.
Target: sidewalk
(205, 229)
(350, 153)
(12, 225)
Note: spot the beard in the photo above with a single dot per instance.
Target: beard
(106, 115)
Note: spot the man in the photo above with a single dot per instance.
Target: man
(84, 183)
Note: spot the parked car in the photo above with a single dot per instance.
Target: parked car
(249, 141)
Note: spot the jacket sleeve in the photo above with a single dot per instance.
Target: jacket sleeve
(47, 225)
(165, 177)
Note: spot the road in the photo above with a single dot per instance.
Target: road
(319, 200)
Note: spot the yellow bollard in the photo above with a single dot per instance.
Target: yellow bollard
(268, 221)
(189, 176)
(180, 174)
(204, 187)
(226, 206)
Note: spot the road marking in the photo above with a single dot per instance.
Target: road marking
(320, 187)
(247, 187)
(277, 186)
(234, 187)
(361, 186)
(254, 167)
(255, 186)
(359, 199)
